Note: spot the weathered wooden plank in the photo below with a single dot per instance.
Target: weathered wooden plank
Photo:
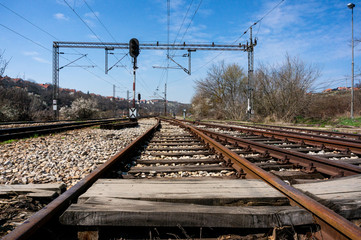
(28, 188)
(178, 161)
(175, 141)
(344, 193)
(354, 161)
(175, 144)
(273, 166)
(205, 153)
(49, 190)
(43, 194)
(177, 149)
(123, 212)
(160, 135)
(167, 169)
(193, 191)
(306, 150)
(269, 142)
(290, 145)
(44, 186)
(345, 187)
(290, 175)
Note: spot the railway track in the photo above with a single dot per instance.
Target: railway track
(323, 153)
(191, 182)
(24, 132)
(302, 131)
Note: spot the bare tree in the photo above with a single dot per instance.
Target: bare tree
(281, 91)
(222, 93)
(3, 63)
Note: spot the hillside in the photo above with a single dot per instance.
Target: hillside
(22, 100)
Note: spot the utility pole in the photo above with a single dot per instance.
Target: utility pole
(128, 101)
(165, 99)
(252, 43)
(55, 80)
(351, 6)
(114, 104)
(166, 80)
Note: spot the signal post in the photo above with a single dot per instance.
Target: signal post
(133, 52)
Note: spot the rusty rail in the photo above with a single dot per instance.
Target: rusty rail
(339, 144)
(333, 225)
(309, 162)
(54, 208)
(326, 134)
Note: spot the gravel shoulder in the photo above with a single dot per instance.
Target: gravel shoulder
(64, 157)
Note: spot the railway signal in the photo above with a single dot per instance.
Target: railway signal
(134, 47)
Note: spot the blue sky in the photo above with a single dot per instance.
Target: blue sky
(318, 32)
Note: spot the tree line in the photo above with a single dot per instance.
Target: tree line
(281, 93)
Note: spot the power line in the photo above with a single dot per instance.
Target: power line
(106, 29)
(200, 2)
(184, 18)
(255, 23)
(142, 82)
(49, 50)
(28, 21)
(93, 33)
(21, 35)
(166, 69)
(81, 19)
(51, 35)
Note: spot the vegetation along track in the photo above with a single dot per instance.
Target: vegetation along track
(181, 183)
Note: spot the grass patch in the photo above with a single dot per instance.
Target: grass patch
(9, 141)
(356, 122)
(313, 121)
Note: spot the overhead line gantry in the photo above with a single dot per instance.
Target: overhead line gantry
(190, 47)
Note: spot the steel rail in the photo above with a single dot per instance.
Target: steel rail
(318, 141)
(55, 125)
(333, 225)
(54, 208)
(341, 135)
(350, 137)
(22, 132)
(309, 162)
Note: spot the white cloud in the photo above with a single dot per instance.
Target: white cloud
(41, 60)
(89, 22)
(92, 36)
(60, 16)
(31, 53)
(91, 15)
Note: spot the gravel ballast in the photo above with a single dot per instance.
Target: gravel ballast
(64, 157)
